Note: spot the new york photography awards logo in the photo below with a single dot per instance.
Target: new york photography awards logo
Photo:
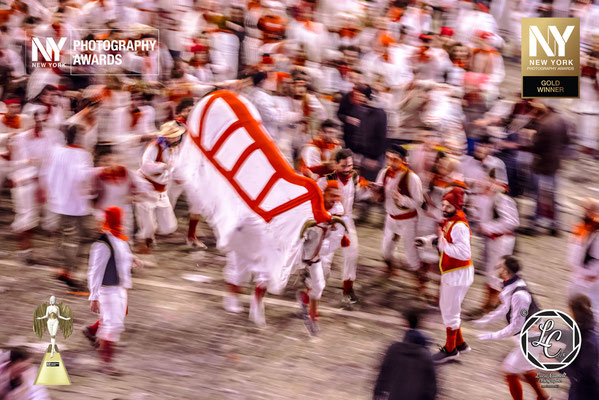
(550, 57)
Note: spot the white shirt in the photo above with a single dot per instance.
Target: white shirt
(508, 220)
(411, 202)
(517, 301)
(460, 250)
(69, 179)
(99, 255)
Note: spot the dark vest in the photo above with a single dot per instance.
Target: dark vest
(532, 308)
(111, 276)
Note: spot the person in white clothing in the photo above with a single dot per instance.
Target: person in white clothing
(352, 186)
(30, 156)
(583, 255)
(17, 376)
(155, 214)
(475, 170)
(319, 244)
(401, 191)
(457, 272)
(271, 115)
(109, 277)
(132, 128)
(517, 304)
(69, 186)
(498, 221)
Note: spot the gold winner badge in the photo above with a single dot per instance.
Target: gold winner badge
(550, 57)
(51, 317)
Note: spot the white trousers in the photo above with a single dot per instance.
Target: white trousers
(515, 363)
(316, 281)
(350, 253)
(495, 249)
(454, 286)
(155, 215)
(239, 270)
(406, 230)
(174, 191)
(27, 210)
(588, 129)
(113, 307)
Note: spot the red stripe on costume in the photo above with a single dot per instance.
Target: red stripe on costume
(263, 143)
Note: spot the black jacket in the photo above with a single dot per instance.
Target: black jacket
(407, 372)
(584, 371)
(549, 143)
(369, 137)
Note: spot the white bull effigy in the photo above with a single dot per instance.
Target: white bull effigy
(247, 191)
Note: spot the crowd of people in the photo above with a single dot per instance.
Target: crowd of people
(395, 103)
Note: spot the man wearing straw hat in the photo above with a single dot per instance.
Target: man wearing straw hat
(155, 214)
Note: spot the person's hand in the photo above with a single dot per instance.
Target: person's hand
(352, 121)
(95, 306)
(138, 263)
(399, 198)
(485, 336)
(481, 123)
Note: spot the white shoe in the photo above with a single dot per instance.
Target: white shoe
(195, 244)
(257, 312)
(231, 304)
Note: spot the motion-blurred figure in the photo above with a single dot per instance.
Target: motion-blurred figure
(407, 372)
(517, 304)
(584, 370)
(109, 277)
(69, 191)
(17, 376)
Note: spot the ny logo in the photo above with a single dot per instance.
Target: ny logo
(50, 52)
(535, 36)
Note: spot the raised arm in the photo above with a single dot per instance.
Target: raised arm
(45, 316)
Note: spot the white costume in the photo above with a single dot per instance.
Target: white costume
(499, 219)
(513, 303)
(320, 244)
(102, 287)
(402, 215)
(583, 257)
(30, 159)
(126, 133)
(349, 191)
(155, 214)
(69, 179)
(455, 283)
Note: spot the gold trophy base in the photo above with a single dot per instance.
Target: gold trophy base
(52, 370)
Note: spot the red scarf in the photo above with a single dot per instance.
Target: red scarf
(423, 56)
(343, 70)
(343, 179)
(114, 175)
(57, 29)
(348, 32)
(135, 115)
(12, 121)
(113, 224)
(37, 132)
